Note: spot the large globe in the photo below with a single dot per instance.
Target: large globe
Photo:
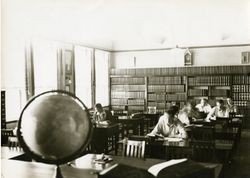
(54, 127)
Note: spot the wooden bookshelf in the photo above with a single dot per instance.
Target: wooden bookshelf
(241, 91)
(161, 86)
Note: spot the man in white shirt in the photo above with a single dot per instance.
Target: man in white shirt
(204, 106)
(169, 126)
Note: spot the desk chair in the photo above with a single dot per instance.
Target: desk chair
(5, 134)
(132, 148)
(203, 144)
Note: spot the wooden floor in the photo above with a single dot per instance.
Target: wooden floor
(240, 166)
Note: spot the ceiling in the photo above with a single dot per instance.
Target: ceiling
(129, 24)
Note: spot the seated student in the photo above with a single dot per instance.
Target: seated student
(220, 110)
(230, 106)
(169, 126)
(101, 115)
(203, 106)
(188, 113)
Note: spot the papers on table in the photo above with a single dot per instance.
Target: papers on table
(154, 170)
(173, 139)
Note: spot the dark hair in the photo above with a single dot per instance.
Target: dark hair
(220, 101)
(172, 110)
(98, 106)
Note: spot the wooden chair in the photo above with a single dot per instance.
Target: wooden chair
(133, 148)
(203, 144)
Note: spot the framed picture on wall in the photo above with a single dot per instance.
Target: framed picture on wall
(188, 58)
(245, 57)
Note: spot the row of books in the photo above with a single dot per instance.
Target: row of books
(127, 80)
(176, 97)
(136, 108)
(128, 87)
(158, 97)
(220, 92)
(241, 96)
(136, 102)
(209, 80)
(197, 92)
(165, 80)
(166, 88)
(240, 103)
(241, 88)
(120, 94)
(241, 79)
(203, 70)
(175, 88)
(156, 88)
(119, 101)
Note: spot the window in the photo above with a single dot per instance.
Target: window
(83, 87)
(45, 66)
(102, 77)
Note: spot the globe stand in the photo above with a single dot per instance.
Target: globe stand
(57, 173)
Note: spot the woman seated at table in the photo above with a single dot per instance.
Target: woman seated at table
(204, 106)
(169, 126)
(220, 110)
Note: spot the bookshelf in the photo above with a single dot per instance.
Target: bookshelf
(241, 91)
(210, 87)
(128, 91)
(160, 86)
(162, 90)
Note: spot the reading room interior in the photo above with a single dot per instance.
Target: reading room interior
(113, 88)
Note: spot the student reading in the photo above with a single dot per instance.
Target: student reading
(220, 110)
(203, 106)
(101, 115)
(169, 126)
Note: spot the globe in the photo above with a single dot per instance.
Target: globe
(54, 127)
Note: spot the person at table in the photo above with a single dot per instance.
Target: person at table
(220, 110)
(204, 106)
(230, 106)
(169, 125)
(188, 113)
(101, 115)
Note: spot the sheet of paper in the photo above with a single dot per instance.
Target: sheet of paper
(155, 169)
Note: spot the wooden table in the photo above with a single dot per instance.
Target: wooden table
(83, 167)
(87, 162)
(103, 135)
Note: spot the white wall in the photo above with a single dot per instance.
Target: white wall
(174, 58)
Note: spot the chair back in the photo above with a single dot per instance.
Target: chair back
(133, 148)
(5, 134)
(204, 133)
(223, 122)
(203, 144)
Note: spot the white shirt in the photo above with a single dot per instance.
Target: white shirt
(206, 109)
(217, 112)
(168, 130)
